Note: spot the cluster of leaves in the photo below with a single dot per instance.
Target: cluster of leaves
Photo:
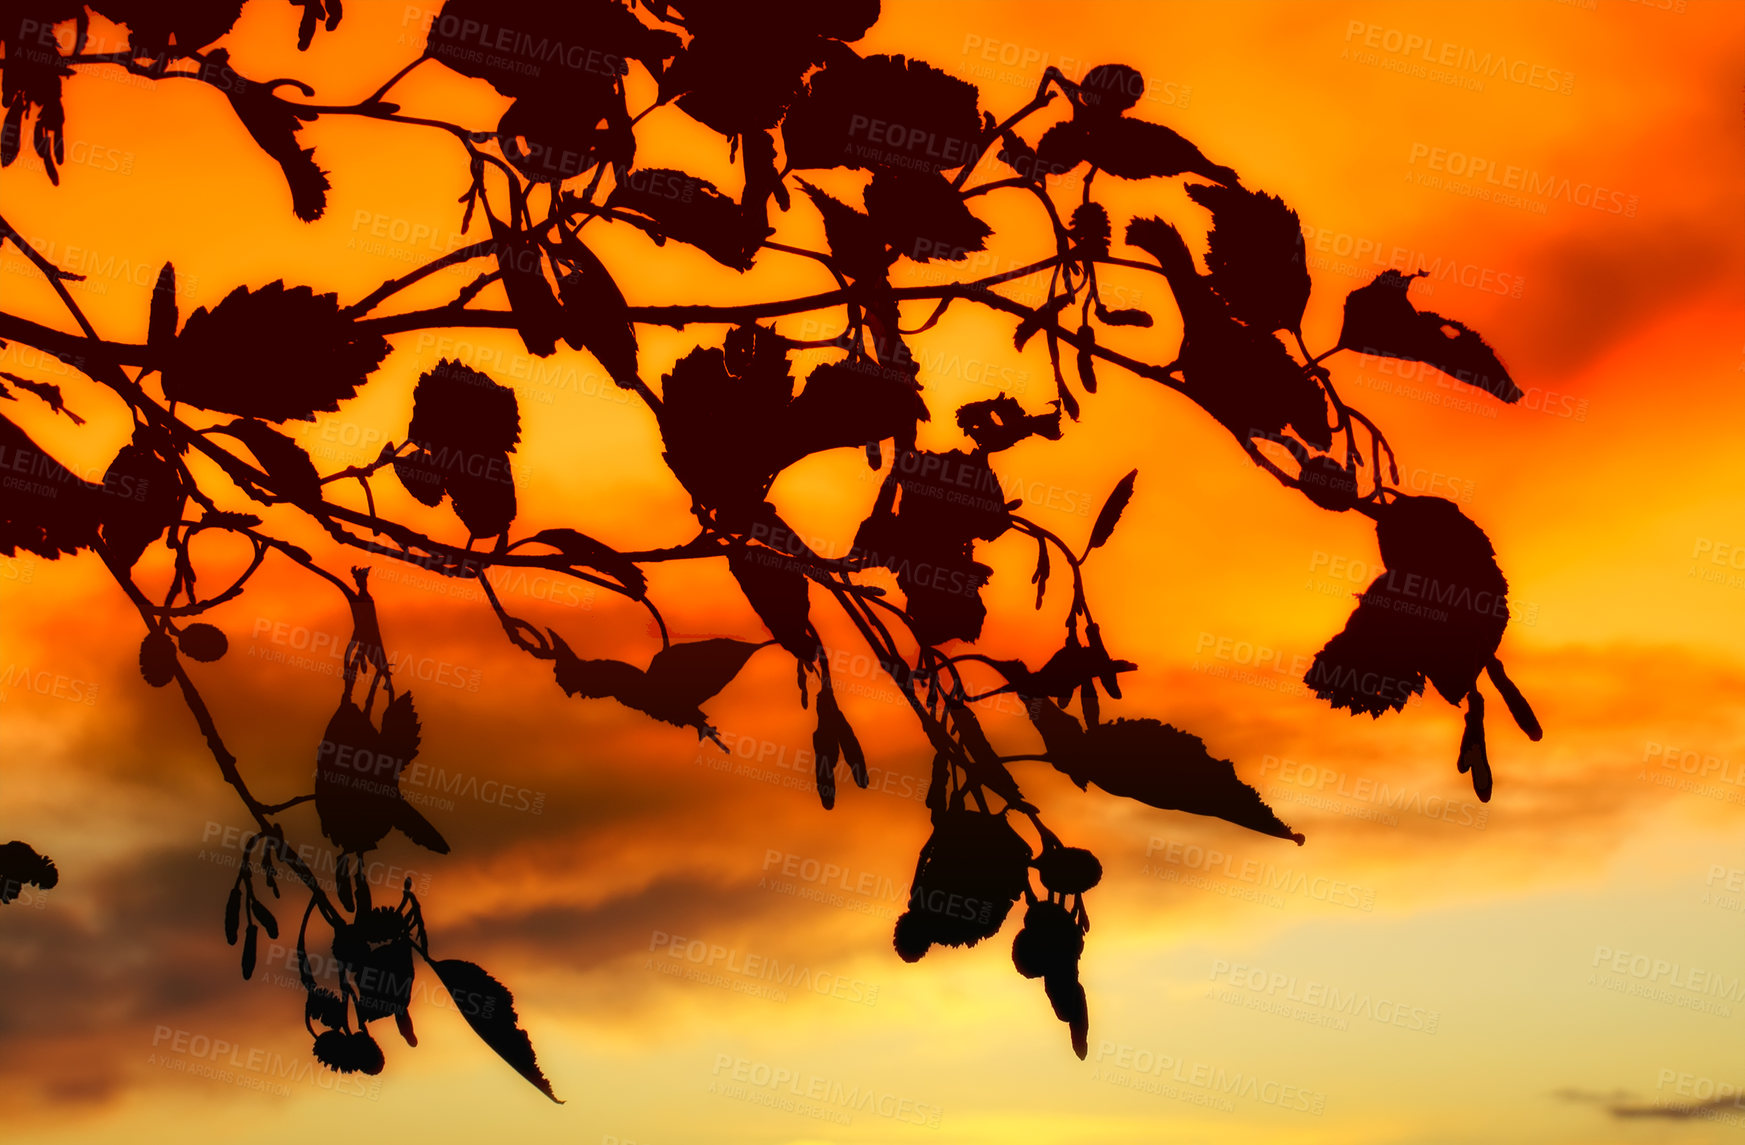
(782, 85)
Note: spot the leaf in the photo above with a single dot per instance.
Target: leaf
(1126, 148)
(1243, 376)
(520, 260)
(290, 473)
(538, 47)
(1257, 257)
(580, 549)
(848, 404)
(1381, 320)
(456, 408)
(162, 331)
(856, 245)
(686, 208)
(922, 216)
(141, 498)
(830, 124)
(275, 353)
(489, 1009)
(273, 124)
(593, 679)
(777, 589)
(421, 476)
(468, 425)
(484, 494)
(47, 392)
(596, 317)
(400, 735)
(1000, 423)
(694, 671)
(250, 941)
(1090, 231)
(1111, 511)
(1165, 767)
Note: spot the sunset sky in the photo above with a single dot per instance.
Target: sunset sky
(1563, 965)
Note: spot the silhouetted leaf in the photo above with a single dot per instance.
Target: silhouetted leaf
(1256, 255)
(688, 209)
(1090, 231)
(596, 317)
(580, 549)
(274, 353)
(744, 63)
(857, 246)
(21, 866)
(250, 945)
(531, 45)
(290, 473)
(1328, 484)
(489, 1009)
(49, 511)
(1110, 514)
(1380, 319)
(353, 1052)
(1438, 610)
(927, 120)
(999, 423)
(1165, 767)
(421, 476)
(456, 408)
(274, 124)
(552, 138)
(467, 425)
(142, 497)
(484, 500)
(777, 590)
(694, 671)
(847, 404)
(949, 500)
(520, 260)
(922, 217)
(1125, 147)
(153, 25)
(47, 392)
(1240, 375)
(973, 867)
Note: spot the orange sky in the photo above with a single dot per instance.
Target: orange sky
(1577, 940)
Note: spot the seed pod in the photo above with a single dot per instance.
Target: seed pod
(157, 659)
(204, 642)
(1050, 942)
(233, 914)
(1069, 870)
